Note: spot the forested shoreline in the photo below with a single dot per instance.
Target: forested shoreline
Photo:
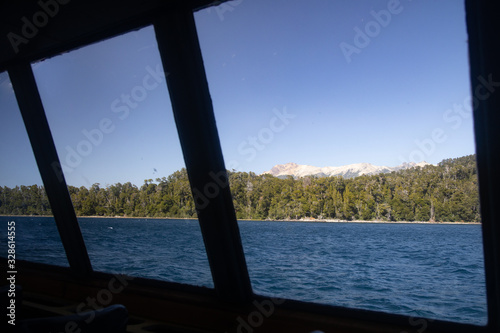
(444, 193)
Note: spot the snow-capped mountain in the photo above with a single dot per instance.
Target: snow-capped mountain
(346, 171)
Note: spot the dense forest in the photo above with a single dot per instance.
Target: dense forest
(446, 192)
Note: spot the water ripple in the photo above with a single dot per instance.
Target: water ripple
(433, 271)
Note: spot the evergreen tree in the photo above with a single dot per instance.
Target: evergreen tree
(446, 192)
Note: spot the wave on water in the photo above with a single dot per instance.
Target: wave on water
(426, 270)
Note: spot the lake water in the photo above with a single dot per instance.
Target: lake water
(424, 270)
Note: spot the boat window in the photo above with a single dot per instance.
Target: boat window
(358, 114)
(108, 108)
(30, 230)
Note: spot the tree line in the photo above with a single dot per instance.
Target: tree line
(446, 192)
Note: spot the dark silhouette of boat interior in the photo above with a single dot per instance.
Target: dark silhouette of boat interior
(158, 306)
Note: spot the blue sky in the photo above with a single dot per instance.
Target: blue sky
(283, 86)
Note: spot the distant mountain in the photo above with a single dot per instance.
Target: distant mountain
(347, 171)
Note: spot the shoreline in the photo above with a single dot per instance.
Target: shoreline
(267, 220)
(365, 221)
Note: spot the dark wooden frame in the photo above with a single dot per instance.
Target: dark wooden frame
(44, 149)
(483, 26)
(194, 117)
(79, 23)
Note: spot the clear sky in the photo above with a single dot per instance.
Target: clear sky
(320, 82)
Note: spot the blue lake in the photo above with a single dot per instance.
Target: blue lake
(420, 270)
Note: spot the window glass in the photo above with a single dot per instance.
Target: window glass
(357, 113)
(25, 213)
(109, 111)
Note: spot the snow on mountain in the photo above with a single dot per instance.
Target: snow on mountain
(346, 171)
